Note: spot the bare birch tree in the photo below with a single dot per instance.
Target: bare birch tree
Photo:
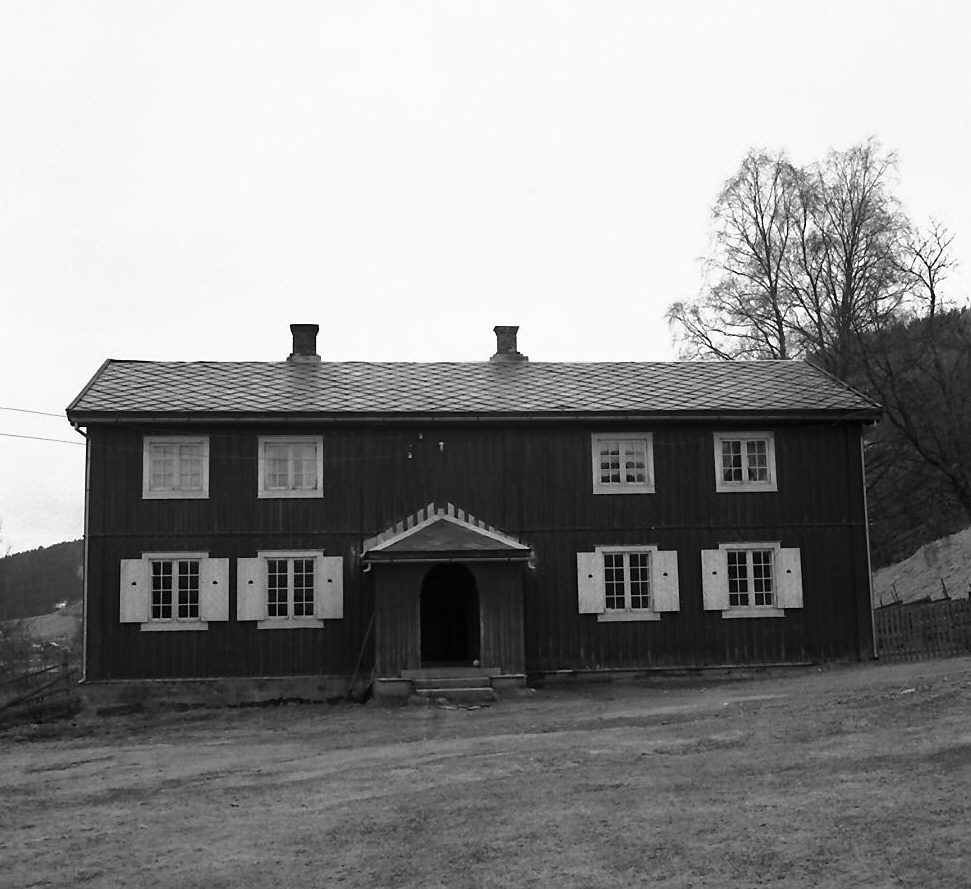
(746, 312)
(803, 260)
(821, 262)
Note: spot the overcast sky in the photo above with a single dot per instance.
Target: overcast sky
(182, 180)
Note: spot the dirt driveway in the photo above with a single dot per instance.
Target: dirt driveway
(850, 777)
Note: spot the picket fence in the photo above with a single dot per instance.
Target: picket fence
(919, 630)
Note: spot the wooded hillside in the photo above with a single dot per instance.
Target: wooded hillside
(35, 582)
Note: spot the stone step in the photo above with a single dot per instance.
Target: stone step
(449, 672)
(453, 682)
(475, 695)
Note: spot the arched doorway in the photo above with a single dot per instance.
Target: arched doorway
(450, 621)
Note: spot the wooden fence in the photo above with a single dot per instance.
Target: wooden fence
(38, 696)
(923, 629)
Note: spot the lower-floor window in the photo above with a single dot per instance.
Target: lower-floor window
(175, 589)
(627, 581)
(290, 587)
(750, 577)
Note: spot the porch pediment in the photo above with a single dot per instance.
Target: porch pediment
(443, 533)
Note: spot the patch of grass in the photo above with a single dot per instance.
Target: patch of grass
(821, 779)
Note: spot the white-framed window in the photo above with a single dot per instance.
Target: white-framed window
(751, 579)
(175, 467)
(174, 590)
(290, 589)
(745, 461)
(627, 583)
(622, 463)
(291, 466)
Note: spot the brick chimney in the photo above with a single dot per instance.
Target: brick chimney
(304, 343)
(506, 345)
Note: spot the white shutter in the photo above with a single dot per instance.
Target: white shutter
(214, 589)
(590, 583)
(665, 581)
(714, 579)
(134, 591)
(250, 589)
(329, 587)
(790, 579)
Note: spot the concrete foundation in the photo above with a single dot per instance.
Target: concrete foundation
(148, 694)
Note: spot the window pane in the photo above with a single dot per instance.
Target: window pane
(738, 588)
(609, 462)
(622, 461)
(757, 459)
(162, 590)
(188, 582)
(161, 467)
(635, 460)
(303, 587)
(762, 576)
(276, 461)
(640, 580)
(732, 461)
(175, 466)
(304, 465)
(276, 588)
(190, 467)
(614, 581)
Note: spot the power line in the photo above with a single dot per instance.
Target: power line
(23, 410)
(41, 438)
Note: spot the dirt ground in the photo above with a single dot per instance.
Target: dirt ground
(848, 777)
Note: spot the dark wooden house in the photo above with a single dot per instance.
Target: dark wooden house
(317, 520)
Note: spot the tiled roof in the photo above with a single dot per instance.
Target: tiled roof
(365, 388)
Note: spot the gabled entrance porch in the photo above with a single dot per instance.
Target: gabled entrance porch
(448, 593)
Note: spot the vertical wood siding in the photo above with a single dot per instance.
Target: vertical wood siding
(533, 481)
(397, 592)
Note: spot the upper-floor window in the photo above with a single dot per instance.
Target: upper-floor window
(745, 462)
(175, 467)
(291, 466)
(623, 463)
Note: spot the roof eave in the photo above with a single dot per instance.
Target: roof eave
(865, 414)
(380, 557)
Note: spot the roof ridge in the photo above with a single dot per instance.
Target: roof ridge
(471, 363)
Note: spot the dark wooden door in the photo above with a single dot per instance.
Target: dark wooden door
(450, 631)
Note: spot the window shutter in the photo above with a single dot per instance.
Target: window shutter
(214, 589)
(134, 591)
(665, 581)
(329, 590)
(590, 583)
(250, 589)
(714, 579)
(790, 578)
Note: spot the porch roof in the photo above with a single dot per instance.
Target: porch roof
(443, 534)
